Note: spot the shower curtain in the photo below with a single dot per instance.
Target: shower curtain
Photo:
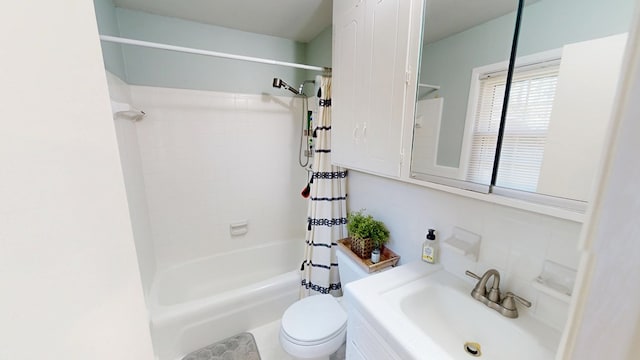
(327, 212)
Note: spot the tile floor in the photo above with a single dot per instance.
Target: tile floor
(267, 339)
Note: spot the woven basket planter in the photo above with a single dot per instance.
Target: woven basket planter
(362, 247)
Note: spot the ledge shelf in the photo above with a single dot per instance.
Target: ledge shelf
(387, 258)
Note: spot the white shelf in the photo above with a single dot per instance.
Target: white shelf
(464, 243)
(556, 280)
(551, 291)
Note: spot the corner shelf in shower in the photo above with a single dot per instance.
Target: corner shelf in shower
(387, 258)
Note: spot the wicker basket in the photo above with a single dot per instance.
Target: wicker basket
(362, 247)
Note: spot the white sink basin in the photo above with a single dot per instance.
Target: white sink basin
(429, 313)
(440, 306)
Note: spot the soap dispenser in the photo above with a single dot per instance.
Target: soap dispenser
(430, 248)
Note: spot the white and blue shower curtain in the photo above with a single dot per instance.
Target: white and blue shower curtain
(327, 213)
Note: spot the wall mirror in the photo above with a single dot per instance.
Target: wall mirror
(458, 37)
(566, 72)
(567, 69)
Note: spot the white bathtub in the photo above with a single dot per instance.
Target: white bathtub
(200, 302)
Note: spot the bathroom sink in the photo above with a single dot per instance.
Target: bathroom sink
(440, 306)
(429, 313)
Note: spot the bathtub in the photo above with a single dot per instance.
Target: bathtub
(200, 302)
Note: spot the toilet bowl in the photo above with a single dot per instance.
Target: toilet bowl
(316, 326)
(313, 328)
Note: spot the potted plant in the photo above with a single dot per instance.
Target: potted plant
(366, 235)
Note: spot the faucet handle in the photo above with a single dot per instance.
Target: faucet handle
(469, 273)
(479, 290)
(509, 303)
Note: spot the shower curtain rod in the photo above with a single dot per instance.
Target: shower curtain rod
(183, 49)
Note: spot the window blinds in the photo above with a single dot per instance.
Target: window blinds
(485, 129)
(530, 103)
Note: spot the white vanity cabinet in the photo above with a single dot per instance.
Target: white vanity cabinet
(364, 343)
(374, 77)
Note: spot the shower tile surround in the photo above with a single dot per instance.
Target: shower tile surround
(515, 242)
(131, 163)
(211, 159)
(201, 160)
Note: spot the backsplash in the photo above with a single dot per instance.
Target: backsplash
(515, 242)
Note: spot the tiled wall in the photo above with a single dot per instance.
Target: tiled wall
(211, 159)
(515, 242)
(131, 163)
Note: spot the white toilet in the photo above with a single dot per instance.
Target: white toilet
(316, 326)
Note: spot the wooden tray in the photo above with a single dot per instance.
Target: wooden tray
(387, 258)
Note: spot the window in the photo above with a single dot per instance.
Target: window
(533, 90)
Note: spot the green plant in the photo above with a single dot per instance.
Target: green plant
(361, 226)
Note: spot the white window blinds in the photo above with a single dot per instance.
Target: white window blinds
(485, 129)
(531, 99)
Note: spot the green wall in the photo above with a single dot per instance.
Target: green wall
(151, 67)
(178, 70)
(319, 51)
(108, 25)
(546, 25)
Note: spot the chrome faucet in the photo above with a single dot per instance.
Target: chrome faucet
(492, 298)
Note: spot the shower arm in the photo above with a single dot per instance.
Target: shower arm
(280, 84)
(301, 88)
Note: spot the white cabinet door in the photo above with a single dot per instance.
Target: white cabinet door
(364, 343)
(370, 68)
(387, 29)
(347, 99)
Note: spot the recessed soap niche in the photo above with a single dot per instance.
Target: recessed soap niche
(463, 242)
(556, 280)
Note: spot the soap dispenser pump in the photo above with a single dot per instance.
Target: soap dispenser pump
(430, 248)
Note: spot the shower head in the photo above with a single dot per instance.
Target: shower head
(278, 83)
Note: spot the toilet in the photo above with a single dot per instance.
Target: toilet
(316, 326)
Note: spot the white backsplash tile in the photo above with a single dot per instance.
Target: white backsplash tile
(563, 244)
(524, 265)
(497, 256)
(552, 311)
(522, 288)
(515, 242)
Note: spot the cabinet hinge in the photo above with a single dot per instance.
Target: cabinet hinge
(407, 79)
(401, 156)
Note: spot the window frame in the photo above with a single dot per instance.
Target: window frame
(500, 68)
(474, 95)
(531, 69)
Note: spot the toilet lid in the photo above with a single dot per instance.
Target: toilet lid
(314, 318)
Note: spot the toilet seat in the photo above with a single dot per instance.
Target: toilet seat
(313, 342)
(314, 320)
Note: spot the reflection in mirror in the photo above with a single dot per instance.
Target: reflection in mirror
(569, 60)
(459, 36)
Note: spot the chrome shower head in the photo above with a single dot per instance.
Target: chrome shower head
(278, 83)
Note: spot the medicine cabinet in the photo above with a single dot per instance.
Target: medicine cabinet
(566, 72)
(418, 93)
(374, 42)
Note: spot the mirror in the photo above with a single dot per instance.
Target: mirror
(568, 61)
(458, 37)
